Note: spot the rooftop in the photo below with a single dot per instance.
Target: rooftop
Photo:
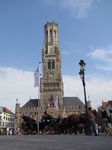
(67, 101)
(6, 110)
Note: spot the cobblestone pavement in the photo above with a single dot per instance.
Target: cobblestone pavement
(55, 142)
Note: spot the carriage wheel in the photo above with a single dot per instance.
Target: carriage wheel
(51, 129)
(26, 128)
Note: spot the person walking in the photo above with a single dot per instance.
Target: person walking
(104, 120)
(92, 121)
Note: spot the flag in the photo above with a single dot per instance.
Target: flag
(36, 77)
(56, 102)
(17, 100)
(29, 114)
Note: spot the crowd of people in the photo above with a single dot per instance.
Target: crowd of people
(105, 125)
(6, 131)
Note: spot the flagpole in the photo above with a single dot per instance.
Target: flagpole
(57, 112)
(38, 96)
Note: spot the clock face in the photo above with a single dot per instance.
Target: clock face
(51, 75)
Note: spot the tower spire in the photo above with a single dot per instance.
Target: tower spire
(51, 82)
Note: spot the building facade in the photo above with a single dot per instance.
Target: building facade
(51, 84)
(6, 119)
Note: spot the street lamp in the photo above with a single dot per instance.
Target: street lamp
(82, 76)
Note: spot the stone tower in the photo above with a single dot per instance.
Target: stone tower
(51, 84)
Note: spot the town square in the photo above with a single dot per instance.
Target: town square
(55, 74)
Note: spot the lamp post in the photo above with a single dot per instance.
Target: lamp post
(82, 76)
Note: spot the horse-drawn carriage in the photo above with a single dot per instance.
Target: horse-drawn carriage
(50, 125)
(47, 124)
(28, 126)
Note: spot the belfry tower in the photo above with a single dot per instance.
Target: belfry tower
(51, 84)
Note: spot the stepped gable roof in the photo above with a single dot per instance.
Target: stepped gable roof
(6, 110)
(31, 103)
(72, 101)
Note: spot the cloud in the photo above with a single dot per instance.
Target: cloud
(97, 89)
(106, 67)
(17, 83)
(104, 55)
(101, 54)
(77, 8)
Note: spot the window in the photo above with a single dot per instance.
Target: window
(46, 51)
(51, 64)
(51, 36)
(55, 33)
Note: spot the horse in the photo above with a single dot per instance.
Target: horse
(73, 123)
(28, 126)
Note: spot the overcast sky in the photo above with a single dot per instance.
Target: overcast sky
(85, 32)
